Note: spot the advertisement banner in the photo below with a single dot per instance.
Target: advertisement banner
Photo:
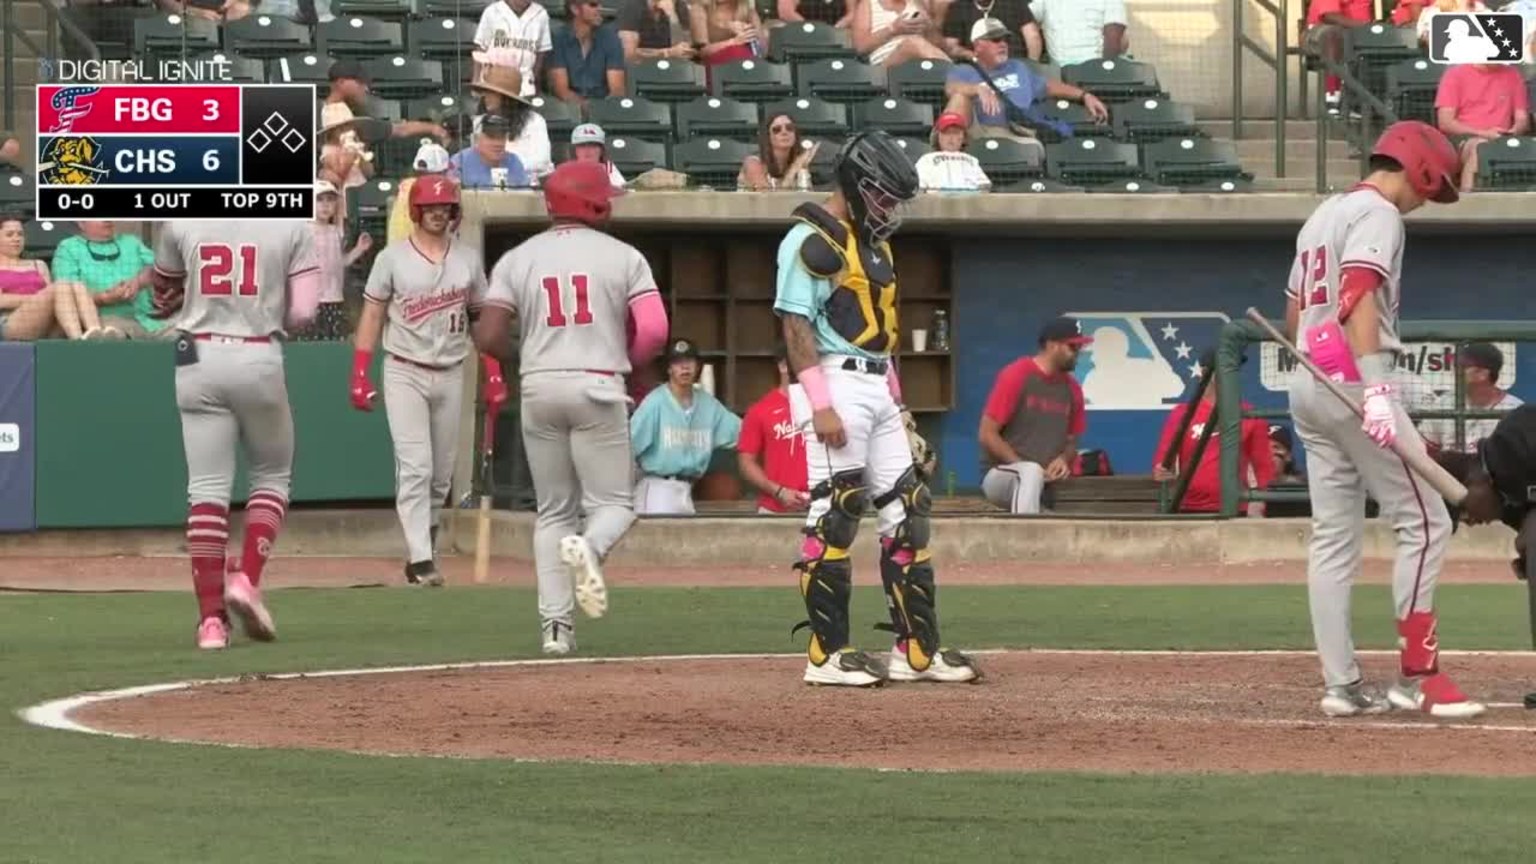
(18, 410)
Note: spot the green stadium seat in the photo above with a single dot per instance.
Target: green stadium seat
(560, 116)
(632, 116)
(388, 10)
(462, 8)
(1147, 120)
(266, 36)
(1411, 87)
(1507, 164)
(752, 81)
(380, 108)
(113, 26)
(1038, 186)
(360, 37)
(1074, 115)
(404, 77)
(840, 79)
(18, 194)
(823, 164)
(635, 156)
(174, 36)
(1047, 71)
(441, 38)
(667, 80)
(42, 238)
(393, 157)
(242, 70)
(1133, 187)
(434, 108)
(1114, 80)
(919, 80)
(808, 40)
(899, 117)
(1372, 49)
(713, 162)
(1006, 160)
(302, 69)
(1190, 161)
(1221, 187)
(813, 117)
(717, 117)
(914, 147)
(1090, 161)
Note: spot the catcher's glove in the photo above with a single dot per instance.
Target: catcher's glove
(922, 454)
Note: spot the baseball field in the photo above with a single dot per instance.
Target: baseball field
(1125, 715)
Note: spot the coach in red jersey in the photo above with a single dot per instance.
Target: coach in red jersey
(1256, 465)
(771, 451)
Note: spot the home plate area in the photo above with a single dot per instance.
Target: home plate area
(1034, 711)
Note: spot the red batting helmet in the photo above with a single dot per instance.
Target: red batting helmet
(580, 192)
(431, 189)
(1430, 162)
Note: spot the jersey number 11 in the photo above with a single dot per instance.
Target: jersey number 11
(554, 290)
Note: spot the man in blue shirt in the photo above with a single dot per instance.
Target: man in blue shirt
(586, 60)
(674, 432)
(488, 164)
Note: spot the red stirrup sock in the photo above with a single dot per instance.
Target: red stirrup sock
(264, 514)
(207, 536)
(1419, 644)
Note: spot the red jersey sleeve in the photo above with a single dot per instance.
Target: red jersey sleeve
(751, 439)
(1004, 399)
(1256, 450)
(1078, 423)
(1170, 429)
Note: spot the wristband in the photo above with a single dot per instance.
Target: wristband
(361, 360)
(815, 384)
(1374, 368)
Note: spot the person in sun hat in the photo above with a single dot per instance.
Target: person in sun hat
(498, 84)
(343, 154)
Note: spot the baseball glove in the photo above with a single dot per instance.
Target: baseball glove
(922, 454)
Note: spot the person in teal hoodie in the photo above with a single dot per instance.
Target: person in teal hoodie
(675, 432)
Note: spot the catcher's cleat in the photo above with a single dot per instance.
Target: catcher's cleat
(846, 668)
(946, 667)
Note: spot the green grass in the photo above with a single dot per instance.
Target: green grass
(76, 798)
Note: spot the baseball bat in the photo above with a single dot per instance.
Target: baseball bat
(1417, 459)
(483, 522)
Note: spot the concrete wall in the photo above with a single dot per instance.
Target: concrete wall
(1190, 43)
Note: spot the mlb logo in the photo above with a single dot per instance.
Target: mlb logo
(1456, 37)
(1143, 360)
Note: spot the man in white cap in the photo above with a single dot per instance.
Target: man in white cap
(431, 158)
(589, 143)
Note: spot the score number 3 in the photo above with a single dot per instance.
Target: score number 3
(216, 269)
(554, 290)
(1314, 277)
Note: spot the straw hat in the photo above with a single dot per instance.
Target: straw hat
(335, 115)
(503, 80)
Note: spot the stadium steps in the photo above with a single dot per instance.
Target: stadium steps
(1256, 149)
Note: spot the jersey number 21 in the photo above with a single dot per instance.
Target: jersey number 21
(216, 265)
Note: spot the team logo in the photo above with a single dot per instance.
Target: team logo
(1143, 360)
(1458, 37)
(73, 161)
(71, 103)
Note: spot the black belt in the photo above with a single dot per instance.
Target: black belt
(871, 367)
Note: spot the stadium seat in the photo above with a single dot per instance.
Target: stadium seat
(1090, 161)
(18, 194)
(404, 77)
(113, 26)
(714, 116)
(174, 36)
(1133, 187)
(919, 80)
(823, 164)
(394, 157)
(1221, 187)
(441, 38)
(635, 156)
(560, 116)
(360, 37)
(43, 237)
(1038, 186)
(1074, 115)
(632, 116)
(899, 117)
(808, 40)
(1372, 49)
(813, 117)
(914, 148)
(380, 108)
(388, 10)
(1047, 71)
(714, 162)
(434, 108)
(1190, 161)
(840, 79)
(667, 80)
(1006, 160)
(370, 204)
(1507, 164)
(302, 69)
(266, 36)
(242, 70)
(1147, 120)
(752, 81)
(1114, 80)
(1411, 87)
(461, 8)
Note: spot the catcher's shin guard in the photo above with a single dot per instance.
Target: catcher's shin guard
(826, 573)
(906, 572)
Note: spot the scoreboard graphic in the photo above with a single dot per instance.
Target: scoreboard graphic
(136, 152)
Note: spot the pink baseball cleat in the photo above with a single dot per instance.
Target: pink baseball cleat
(244, 599)
(212, 635)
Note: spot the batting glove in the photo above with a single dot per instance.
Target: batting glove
(495, 387)
(363, 393)
(1380, 419)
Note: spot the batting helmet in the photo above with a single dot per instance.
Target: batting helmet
(580, 192)
(1430, 162)
(430, 190)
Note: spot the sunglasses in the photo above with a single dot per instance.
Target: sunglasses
(783, 127)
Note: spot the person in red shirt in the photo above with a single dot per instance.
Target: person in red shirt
(1326, 22)
(1479, 102)
(1256, 466)
(771, 451)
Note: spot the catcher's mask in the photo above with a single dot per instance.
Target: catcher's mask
(876, 178)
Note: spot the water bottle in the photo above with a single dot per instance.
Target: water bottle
(941, 330)
(803, 180)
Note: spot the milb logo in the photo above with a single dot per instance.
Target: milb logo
(1456, 37)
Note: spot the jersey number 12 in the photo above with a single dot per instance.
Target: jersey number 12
(1313, 290)
(554, 289)
(216, 269)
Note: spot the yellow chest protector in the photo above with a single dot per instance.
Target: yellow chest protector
(862, 308)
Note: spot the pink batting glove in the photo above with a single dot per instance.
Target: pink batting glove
(1380, 420)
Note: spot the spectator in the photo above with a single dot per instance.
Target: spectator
(947, 167)
(1481, 363)
(1429, 11)
(487, 164)
(349, 84)
(498, 84)
(211, 10)
(10, 153)
(834, 12)
(725, 31)
(111, 271)
(27, 300)
(342, 153)
(674, 432)
(431, 158)
(771, 454)
(891, 32)
(330, 322)
(1282, 454)
(970, 96)
(1479, 102)
(1077, 31)
(523, 27)
(1255, 464)
(1024, 39)
(587, 61)
(654, 29)
(781, 155)
(1032, 420)
(590, 144)
(1327, 23)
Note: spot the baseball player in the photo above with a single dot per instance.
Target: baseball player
(588, 311)
(421, 294)
(233, 294)
(837, 301)
(1342, 308)
(674, 432)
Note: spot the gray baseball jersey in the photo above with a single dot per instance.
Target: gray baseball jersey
(571, 287)
(428, 302)
(236, 280)
(1356, 229)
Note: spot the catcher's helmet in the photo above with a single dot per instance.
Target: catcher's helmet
(1430, 162)
(875, 177)
(580, 192)
(430, 190)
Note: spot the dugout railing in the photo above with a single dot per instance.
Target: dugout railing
(1237, 337)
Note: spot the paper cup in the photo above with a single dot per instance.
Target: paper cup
(707, 378)
(919, 340)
